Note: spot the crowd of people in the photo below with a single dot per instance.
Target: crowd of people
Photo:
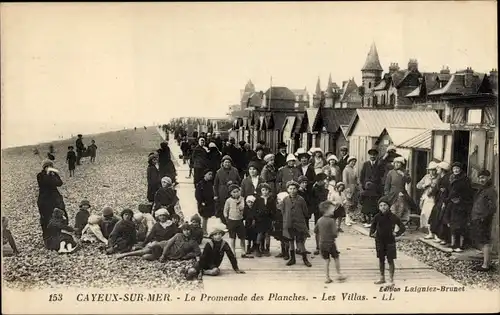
(260, 196)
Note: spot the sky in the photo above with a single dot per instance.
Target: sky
(80, 68)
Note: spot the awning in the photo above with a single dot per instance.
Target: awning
(421, 141)
(288, 125)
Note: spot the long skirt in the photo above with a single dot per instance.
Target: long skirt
(437, 221)
(401, 208)
(426, 206)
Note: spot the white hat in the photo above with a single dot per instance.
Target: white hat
(399, 159)
(351, 158)
(444, 165)
(250, 198)
(268, 157)
(316, 149)
(212, 145)
(432, 165)
(291, 157)
(161, 211)
(332, 157)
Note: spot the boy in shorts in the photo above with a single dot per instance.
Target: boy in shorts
(233, 213)
(326, 231)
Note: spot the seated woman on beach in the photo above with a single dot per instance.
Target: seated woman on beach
(58, 237)
(166, 197)
(9, 247)
(92, 233)
(163, 230)
(181, 247)
(124, 235)
(108, 221)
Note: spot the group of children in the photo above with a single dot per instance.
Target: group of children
(72, 159)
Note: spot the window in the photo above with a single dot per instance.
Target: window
(474, 116)
(369, 85)
(383, 99)
(369, 101)
(375, 100)
(392, 99)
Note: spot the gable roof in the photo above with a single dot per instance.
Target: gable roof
(349, 88)
(279, 120)
(312, 118)
(333, 118)
(375, 120)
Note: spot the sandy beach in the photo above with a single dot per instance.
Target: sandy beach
(117, 179)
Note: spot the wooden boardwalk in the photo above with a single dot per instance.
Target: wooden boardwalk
(357, 255)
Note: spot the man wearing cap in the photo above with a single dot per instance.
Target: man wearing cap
(213, 254)
(343, 157)
(280, 157)
(287, 173)
(483, 210)
(80, 148)
(371, 171)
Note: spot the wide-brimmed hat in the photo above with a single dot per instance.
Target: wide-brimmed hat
(351, 158)
(292, 183)
(302, 179)
(47, 163)
(226, 157)
(216, 231)
(432, 165)
(301, 152)
(282, 145)
(290, 157)
(399, 159)
(444, 165)
(85, 202)
(107, 211)
(332, 157)
(268, 157)
(250, 198)
(373, 151)
(337, 185)
(161, 211)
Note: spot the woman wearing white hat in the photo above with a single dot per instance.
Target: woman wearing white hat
(350, 178)
(428, 186)
(318, 160)
(287, 173)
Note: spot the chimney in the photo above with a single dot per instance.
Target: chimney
(393, 67)
(445, 70)
(468, 77)
(413, 65)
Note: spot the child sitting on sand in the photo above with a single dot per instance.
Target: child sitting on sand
(108, 221)
(196, 230)
(181, 246)
(124, 235)
(9, 247)
(82, 217)
(91, 233)
(58, 237)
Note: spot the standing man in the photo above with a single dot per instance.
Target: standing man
(200, 160)
(280, 157)
(185, 147)
(483, 210)
(370, 171)
(344, 156)
(80, 148)
(218, 140)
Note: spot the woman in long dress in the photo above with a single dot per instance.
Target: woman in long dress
(166, 166)
(153, 177)
(350, 179)
(437, 225)
(428, 184)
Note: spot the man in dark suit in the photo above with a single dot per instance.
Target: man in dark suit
(280, 157)
(305, 168)
(371, 171)
(344, 156)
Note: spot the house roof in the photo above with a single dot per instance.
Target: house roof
(375, 120)
(372, 61)
(456, 85)
(333, 118)
(280, 93)
(401, 135)
(299, 92)
(349, 88)
(414, 93)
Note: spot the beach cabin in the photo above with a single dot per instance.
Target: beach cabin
(275, 128)
(309, 132)
(329, 123)
(367, 125)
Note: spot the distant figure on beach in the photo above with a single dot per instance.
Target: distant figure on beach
(71, 160)
(92, 148)
(35, 151)
(51, 153)
(135, 128)
(49, 196)
(80, 149)
(145, 127)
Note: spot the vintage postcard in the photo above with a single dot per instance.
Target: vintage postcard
(249, 158)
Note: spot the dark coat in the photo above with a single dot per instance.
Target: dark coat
(264, 214)
(318, 195)
(123, 236)
(154, 181)
(437, 219)
(485, 203)
(284, 175)
(200, 158)
(166, 166)
(79, 145)
(310, 174)
(204, 194)
(232, 151)
(165, 197)
(54, 234)
(213, 254)
(81, 220)
(218, 143)
(48, 194)
(241, 163)
(295, 213)
(185, 148)
(71, 159)
(458, 213)
(279, 160)
(159, 233)
(372, 174)
(268, 175)
(214, 159)
(382, 227)
(259, 163)
(222, 180)
(247, 187)
(342, 163)
(107, 225)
